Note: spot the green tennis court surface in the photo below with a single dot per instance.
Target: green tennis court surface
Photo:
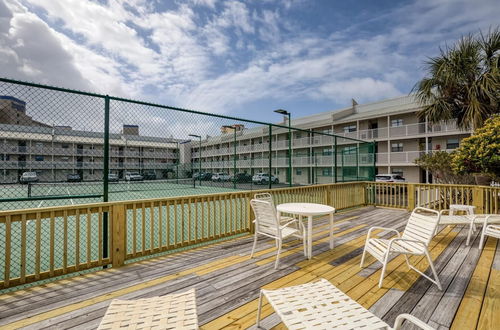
(118, 191)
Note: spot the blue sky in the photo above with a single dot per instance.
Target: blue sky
(243, 58)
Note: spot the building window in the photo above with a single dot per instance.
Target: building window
(327, 172)
(65, 146)
(397, 171)
(349, 150)
(39, 158)
(298, 171)
(4, 157)
(329, 130)
(298, 135)
(452, 144)
(397, 147)
(396, 122)
(327, 151)
(351, 128)
(65, 159)
(39, 144)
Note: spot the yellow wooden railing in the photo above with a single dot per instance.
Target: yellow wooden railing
(48, 242)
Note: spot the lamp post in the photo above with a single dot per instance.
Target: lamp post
(179, 157)
(286, 113)
(233, 127)
(199, 156)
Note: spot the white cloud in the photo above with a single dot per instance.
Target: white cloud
(220, 55)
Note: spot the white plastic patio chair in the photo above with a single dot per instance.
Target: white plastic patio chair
(174, 311)
(269, 198)
(415, 240)
(267, 224)
(450, 217)
(320, 305)
(491, 227)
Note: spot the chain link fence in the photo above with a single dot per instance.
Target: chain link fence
(63, 147)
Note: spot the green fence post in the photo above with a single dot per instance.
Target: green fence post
(374, 169)
(270, 155)
(234, 159)
(105, 196)
(357, 161)
(335, 161)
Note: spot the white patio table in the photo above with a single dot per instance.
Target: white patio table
(308, 210)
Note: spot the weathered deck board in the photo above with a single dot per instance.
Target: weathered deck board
(228, 282)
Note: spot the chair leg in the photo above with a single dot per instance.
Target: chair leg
(481, 241)
(363, 257)
(278, 255)
(469, 234)
(259, 310)
(434, 273)
(386, 260)
(408, 261)
(304, 242)
(254, 245)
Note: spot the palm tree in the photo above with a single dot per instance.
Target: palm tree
(463, 82)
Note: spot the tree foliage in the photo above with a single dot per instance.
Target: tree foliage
(480, 153)
(463, 82)
(438, 163)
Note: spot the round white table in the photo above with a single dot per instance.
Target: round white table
(308, 210)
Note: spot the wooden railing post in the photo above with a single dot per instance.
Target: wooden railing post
(411, 196)
(118, 233)
(478, 199)
(251, 216)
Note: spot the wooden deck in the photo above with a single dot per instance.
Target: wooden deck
(227, 282)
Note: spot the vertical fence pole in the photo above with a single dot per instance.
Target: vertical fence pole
(105, 196)
(290, 149)
(374, 169)
(234, 158)
(335, 160)
(411, 196)
(357, 161)
(270, 155)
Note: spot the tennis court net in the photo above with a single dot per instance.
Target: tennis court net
(96, 188)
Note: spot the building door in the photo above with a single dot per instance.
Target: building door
(373, 126)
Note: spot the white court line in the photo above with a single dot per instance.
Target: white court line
(71, 199)
(41, 202)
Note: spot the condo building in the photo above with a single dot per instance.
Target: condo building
(54, 152)
(372, 138)
(399, 136)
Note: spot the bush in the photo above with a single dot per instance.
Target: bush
(439, 164)
(480, 153)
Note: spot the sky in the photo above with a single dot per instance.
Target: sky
(239, 58)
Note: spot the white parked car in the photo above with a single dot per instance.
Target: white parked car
(28, 177)
(389, 178)
(133, 176)
(263, 178)
(221, 177)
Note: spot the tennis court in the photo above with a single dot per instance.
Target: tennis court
(87, 225)
(118, 191)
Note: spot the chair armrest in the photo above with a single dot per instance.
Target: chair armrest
(383, 228)
(288, 223)
(420, 208)
(487, 218)
(396, 239)
(401, 317)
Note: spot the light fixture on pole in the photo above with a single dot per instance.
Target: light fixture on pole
(286, 113)
(179, 157)
(233, 127)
